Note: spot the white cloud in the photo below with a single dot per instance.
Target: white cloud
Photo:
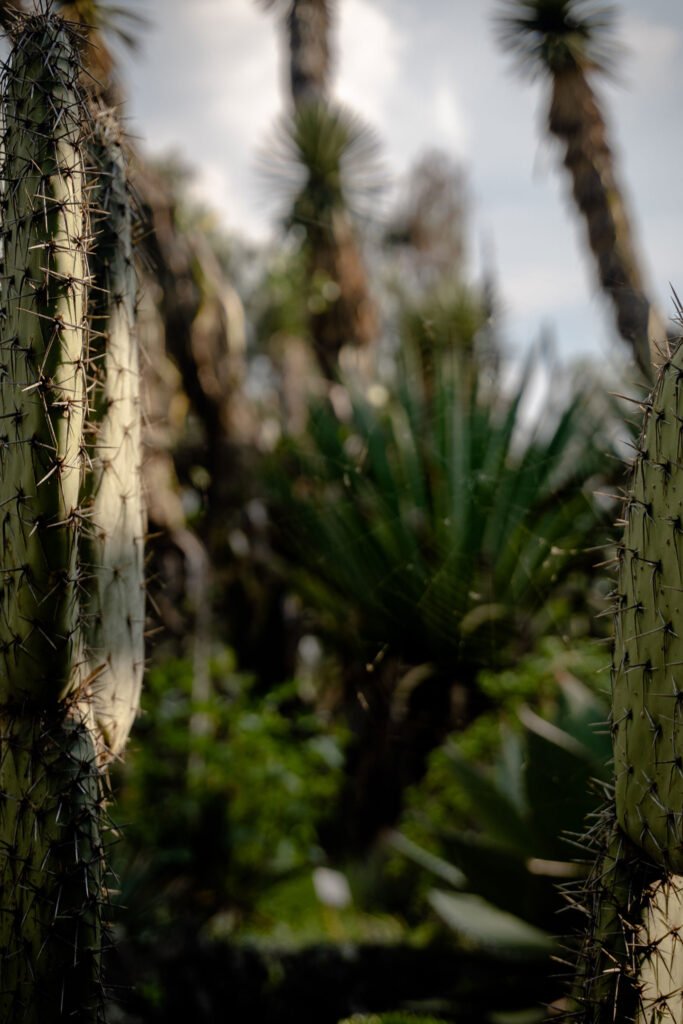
(426, 73)
(368, 58)
(652, 48)
(448, 117)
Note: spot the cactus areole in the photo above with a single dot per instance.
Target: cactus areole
(647, 676)
(71, 586)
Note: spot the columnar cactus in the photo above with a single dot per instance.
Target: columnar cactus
(112, 552)
(71, 589)
(632, 963)
(647, 692)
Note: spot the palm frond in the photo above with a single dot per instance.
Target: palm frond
(322, 158)
(556, 35)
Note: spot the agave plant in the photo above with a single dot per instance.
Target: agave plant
(434, 526)
(431, 517)
(570, 42)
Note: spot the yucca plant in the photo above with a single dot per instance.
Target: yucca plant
(71, 622)
(571, 42)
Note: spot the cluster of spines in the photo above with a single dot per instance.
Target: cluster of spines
(51, 869)
(607, 979)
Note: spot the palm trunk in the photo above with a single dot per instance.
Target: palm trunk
(309, 23)
(347, 315)
(575, 119)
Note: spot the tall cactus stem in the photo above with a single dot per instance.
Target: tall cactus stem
(45, 233)
(647, 671)
(113, 541)
(71, 599)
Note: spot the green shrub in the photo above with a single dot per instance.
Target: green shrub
(223, 797)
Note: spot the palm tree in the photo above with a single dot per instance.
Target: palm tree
(322, 142)
(325, 166)
(570, 42)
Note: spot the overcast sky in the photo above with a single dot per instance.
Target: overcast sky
(425, 74)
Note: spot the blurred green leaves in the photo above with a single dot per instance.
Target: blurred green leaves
(506, 846)
(217, 813)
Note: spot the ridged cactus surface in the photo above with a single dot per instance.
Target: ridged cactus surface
(647, 685)
(45, 233)
(614, 897)
(51, 871)
(71, 575)
(112, 549)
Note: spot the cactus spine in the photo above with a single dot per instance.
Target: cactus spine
(71, 595)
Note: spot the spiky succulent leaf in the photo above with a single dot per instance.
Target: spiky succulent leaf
(426, 520)
(323, 158)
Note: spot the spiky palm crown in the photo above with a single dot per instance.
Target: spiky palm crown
(552, 36)
(324, 159)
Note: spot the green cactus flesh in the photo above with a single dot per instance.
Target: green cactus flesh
(647, 675)
(71, 597)
(50, 871)
(42, 375)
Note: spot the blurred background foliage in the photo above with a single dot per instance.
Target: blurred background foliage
(379, 553)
